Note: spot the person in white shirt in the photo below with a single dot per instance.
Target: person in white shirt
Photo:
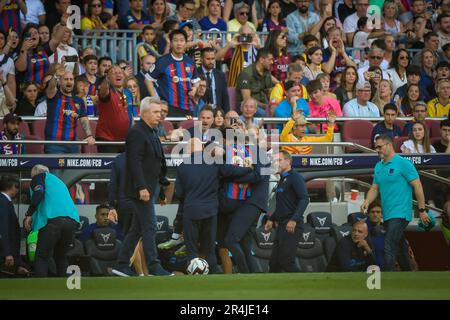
(351, 22)
(375, 59)
(35, 13)
(397, 71)
(419, 140)
(64, 50)
(361, 107)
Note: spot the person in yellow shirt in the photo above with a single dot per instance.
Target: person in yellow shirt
(294, 131)
(294, 73)
(440, 106)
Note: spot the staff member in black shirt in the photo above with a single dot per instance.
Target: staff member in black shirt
(291, 201)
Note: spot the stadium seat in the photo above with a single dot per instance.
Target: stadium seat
(33, 148)
(262, 244)
(24, 128)
(84, 223)
(76, 256)
(322, 223)
(186, 124)
(357, 131)
(434, 128)
(163, 232)
(398, 143)
(310, 255)
(336, 233)
(38, 128)
(400, 123)
(103, 250)
(81, 136)
(232, 97)
(168, 126)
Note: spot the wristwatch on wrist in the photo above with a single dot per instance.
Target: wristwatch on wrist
(422, 210)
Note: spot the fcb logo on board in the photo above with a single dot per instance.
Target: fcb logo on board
(61, 162)
(304, 162)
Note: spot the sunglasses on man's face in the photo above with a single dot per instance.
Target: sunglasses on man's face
(376, 57)
(245, 13)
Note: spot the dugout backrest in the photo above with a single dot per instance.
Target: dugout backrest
(84, 223)
(322, 223)
(76, 256)
(262, 245)
(310, 254)
(163, 231)
(103, 249)
(336, 234)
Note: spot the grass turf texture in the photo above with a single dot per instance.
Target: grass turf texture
(405, 285)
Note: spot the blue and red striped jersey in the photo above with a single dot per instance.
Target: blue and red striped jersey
(10, 16)
(174, 78)
(237, 155)
(38, 64)
(280, 66)
(60, 124)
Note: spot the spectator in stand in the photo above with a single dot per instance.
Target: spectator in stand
(10, 14)
(219, 119)
(248, 110)
(44, 33)
(101, 221)
(443, 28)
(364, 36)
(230, 13)
(213, 21)
(295, 131)
(28, 101)
(354, 252)
(390, 15)
(324, 79)
(390, 47)
(88, 51)
(194, 46)
(387, 126)
(11, 48)
(131, 83)
(383, 95)
(64, 50)
(149, 45)
(413, 77)
(163, 43)
(314, 63)
(375, 59)
(293, 99)
(419, 113)
(216, 81)
(11, 123)
(347, 90)
(34, 60)
(420, 8)
(344, 9)
(176, 90)
(328, 23)
(255, 81)
(350, 24)
(431, 41)
(147, 64)
(115, 111)
(163, 134)
(239, 53)
(440, 106)
(320, 105)
(82, 92)
(91, 67)
(398, 66)
(415, 34)
(294, 73)
(7, 99)
(197, 100)
(53, 16)
(300, 23)
(158, 10)
(104, 64)
(361, 107)
(92, 19)
(276, 44)
(412, 97)
(443, 145)
(274, 19)
(419, 140)
(241, 12)
(135, 18)
(335, 57)
(63, 112)
(185, 12)
(35, 13)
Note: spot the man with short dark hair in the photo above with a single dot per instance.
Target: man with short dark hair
(292, 199)
(387, 126)
(104, 64)
(102, 221)
(394, 176)
(443, 32)
(413, 73)
(443, 145)
(11, 123)
(256, 81)
(419, 115)
(185, 12)
(431, 40)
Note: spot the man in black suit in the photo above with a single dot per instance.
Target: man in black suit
(145, 164)
(9, 227)
(147, 65)
(216, 92)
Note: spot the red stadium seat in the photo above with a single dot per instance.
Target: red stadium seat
(33, 148)
(39, 128)
(24, 128)
(434, 128)
(81, 136)
(398, 143)
(400, 123)
(357, 131)
(232, 97)
(168, 126)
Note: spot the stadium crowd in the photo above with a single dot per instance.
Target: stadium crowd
(300, 60)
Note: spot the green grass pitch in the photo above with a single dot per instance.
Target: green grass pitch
(400, 285)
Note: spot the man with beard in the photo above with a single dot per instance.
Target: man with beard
(63, 112)
(301, 23)
(115, 111)
(11, 124)
(147, 65)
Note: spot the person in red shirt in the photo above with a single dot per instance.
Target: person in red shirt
(115, 111)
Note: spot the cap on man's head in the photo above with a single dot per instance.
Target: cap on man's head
(187, 23)
(300, 121)
(290, 84)
(363, 85)
(10, 117)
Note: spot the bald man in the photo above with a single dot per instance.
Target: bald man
(354, 252)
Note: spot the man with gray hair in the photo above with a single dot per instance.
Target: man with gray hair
(52, 213)
(145, 164)
(376, 56)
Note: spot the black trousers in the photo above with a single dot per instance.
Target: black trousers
(238, 236)
(178, 221)
(57, 237)
(284, 249)
(109, 148)
(126, 216)
(200, 236)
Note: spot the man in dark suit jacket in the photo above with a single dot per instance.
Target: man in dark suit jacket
(9, 226)
(216, 92)
(147, 63)
(145, 164)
